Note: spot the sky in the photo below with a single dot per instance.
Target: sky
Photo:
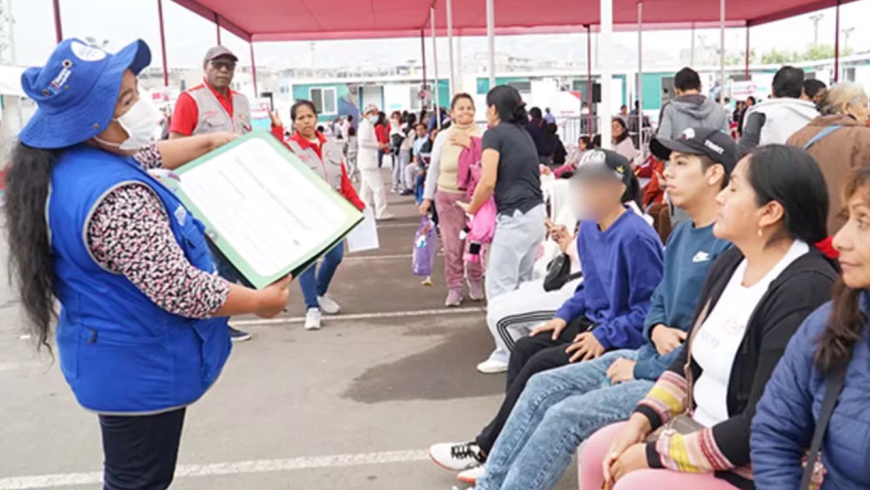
(189, 36)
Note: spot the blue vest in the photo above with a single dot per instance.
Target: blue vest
(119, 351)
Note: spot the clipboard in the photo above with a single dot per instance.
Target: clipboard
(264, 210)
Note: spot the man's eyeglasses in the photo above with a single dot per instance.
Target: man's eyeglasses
(221, 64)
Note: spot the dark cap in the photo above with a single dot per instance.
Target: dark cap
(709, 142)
(218, 52)
(604, 164)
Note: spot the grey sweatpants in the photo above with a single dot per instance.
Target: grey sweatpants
(513, 250)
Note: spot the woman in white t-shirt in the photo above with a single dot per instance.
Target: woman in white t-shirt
(754, 298)
(622, 142)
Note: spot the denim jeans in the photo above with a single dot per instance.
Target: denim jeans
(557, 411)
(315, 282)
(530, 356)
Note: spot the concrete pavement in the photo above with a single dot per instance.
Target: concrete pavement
(351, 407)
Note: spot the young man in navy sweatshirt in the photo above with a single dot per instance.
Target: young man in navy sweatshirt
(700, 163)
(622, 260)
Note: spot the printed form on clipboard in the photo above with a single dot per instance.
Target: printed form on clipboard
(264, 209)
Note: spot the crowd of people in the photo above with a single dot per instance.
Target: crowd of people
(701, 338)
(664, 352)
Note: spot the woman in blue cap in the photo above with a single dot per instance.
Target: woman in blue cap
(142, 331)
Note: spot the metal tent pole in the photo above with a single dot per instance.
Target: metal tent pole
(435, 62)
(460, 76)
(217, 25)
(490, 38)
(640, 78)
(589, 125)
(605, 60)
(58, 27)
(254, 69)
(423, 57)
(748, 53)
(722, 51)
(450, 46)
(692, 62)
(163, 43)
(837, 44)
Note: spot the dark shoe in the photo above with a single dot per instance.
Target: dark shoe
(237, 335)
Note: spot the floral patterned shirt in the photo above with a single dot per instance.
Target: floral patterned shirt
(130, 234)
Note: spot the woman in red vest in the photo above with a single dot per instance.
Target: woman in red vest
(325, 158)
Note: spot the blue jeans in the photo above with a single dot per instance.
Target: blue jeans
(315, 282)
(557, 411)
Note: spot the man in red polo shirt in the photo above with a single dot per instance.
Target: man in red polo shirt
(214, 107)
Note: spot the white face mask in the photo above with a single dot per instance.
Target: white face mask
(140, 123)
(373, 119)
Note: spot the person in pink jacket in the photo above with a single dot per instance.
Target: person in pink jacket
(442, 186)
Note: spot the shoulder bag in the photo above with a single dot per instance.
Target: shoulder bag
(559, 273)
(813, 469)
(684, 423)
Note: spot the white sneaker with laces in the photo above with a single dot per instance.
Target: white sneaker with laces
(313, 319)
(456, 457)
(471, 476)
(491, 366)
(328, 305)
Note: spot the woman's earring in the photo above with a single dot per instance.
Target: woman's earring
(760, 233)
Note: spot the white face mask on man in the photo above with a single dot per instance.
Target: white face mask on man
(140, 122)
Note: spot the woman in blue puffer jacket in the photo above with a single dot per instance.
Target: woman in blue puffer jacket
(836, 336)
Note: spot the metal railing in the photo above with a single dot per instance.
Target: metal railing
(573, 127)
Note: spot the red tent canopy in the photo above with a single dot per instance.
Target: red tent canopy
(286, 20)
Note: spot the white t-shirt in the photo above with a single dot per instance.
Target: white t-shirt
(716, 343)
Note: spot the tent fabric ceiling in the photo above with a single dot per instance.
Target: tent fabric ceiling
(287, 20)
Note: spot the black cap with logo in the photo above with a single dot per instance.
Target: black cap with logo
(709, 142)
(601, 164)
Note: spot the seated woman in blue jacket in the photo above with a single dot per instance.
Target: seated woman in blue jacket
(621, 258)
(755, 297)
(561, 408)
(834, 340)
(142, 331)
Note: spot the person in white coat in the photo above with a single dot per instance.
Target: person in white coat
(372, 185)
(774, 121)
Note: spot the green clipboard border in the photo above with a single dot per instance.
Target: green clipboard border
(352, 216)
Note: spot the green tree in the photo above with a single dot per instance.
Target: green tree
(822, 52)
(811, 53)
(739, 58)
(778, 57)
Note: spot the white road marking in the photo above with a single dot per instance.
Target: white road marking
(385, 226)
(217, 469)
(361, 316)
(377, 257)
(383, 257)
(12, 366)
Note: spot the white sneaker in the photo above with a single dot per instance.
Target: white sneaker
(328, 305)
(471, 476)
(456, 457)
(386, 217)
(491, 366)
(313, 319)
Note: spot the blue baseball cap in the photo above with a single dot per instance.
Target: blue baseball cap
(76, 92)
